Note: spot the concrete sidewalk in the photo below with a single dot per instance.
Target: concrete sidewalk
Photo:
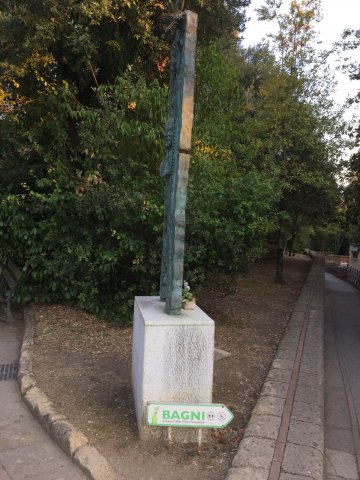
(284, 439)
(26, 451)
(342, 380)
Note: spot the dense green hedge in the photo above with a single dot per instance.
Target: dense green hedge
(90, 231)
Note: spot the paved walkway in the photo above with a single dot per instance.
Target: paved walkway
(284, 439)
(342, 380)
(26, 451)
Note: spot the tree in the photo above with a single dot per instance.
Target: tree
(219, 19)
(296, 118)
(293, 40)
(351, 195)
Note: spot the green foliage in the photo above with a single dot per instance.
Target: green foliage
(91, 250)
(88, 230)
(231, 201)
(331, 238)
(83, 99)
(228, 216)
(218, 19)
(84, 43)
(296, 31)
(351, 194)
(300, 128)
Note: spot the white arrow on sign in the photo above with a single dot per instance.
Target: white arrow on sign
(186, 415)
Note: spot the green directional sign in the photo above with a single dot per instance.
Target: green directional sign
(187, 415)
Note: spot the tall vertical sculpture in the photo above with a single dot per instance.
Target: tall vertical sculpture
(175, 165)
(173, 354)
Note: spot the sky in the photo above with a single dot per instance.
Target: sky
(336, 17)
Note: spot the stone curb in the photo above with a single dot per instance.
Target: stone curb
(289, 414)
(74, 443)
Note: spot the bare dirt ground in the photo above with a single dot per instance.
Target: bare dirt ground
(84, 366)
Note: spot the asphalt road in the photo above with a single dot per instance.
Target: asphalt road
(342, 380)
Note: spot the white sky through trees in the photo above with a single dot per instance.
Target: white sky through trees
(337, 16)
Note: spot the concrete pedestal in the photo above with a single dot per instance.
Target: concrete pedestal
(172, 362)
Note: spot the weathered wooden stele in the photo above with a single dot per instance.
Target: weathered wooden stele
(175, 165)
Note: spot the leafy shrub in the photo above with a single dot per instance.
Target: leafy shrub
(87, 227)
(228, 216)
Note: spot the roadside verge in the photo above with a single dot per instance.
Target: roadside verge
(284, 439)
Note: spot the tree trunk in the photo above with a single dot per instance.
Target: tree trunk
(290, 245)
(280, 259)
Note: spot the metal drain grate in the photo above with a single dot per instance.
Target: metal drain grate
(8, 371)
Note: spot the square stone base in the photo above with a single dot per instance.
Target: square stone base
(172, 362)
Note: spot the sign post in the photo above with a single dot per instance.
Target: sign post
(188, 415)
